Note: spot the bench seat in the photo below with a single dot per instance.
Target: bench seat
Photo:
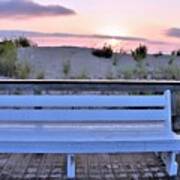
(60, 141)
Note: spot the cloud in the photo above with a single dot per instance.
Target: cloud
(29, 9)
(173, 32)
(18, 33)
(123, 38)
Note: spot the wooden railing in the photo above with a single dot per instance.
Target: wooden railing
(104, 85)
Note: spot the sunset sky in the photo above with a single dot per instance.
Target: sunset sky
(156, 22)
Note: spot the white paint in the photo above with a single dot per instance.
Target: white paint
(88, 124)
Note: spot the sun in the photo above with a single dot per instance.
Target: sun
(113, 42)
(112, 31)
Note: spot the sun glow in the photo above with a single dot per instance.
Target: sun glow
(113, 42)
(112, 31)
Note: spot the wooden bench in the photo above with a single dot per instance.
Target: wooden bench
(75, 124)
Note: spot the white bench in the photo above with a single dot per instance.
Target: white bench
(75, 124)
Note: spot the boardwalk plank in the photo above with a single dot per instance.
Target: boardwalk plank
(21, 166)
(58, 169)
(111, 167)
(32, 170)
(81, 166)
(8, 168)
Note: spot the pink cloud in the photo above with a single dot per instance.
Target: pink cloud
(29, 9)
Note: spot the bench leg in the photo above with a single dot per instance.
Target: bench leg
(169, 160)
(70, 166)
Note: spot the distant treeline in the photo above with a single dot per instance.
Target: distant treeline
(19, 42)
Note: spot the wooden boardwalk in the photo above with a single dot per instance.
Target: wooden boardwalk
(110, 167)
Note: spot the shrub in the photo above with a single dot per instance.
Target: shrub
(115, 60)
(171, 61)
(4, 46)
(170, 72)
(9, 65)
(159, 54)
(23, 70)
(140, 52)
(83, 75)
(175, 53)
(141, 71)
(110, 75)
(23, 42)
(105, 52)
(8, 58)
(122, 52)
(66, 68)
(178, 53)
(128, 73)
(40, 75)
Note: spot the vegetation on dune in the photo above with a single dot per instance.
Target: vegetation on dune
(115, 59)
(19, 42)
(159, 54)
(127, 73)
(122, 52)
(140, 52)
(170, 72)
(23, 70)
(110, 75)
(176, 53)
(66, 68)
(24, 42)
(173, 53)
(9, 65)
(8, 58)
(105, 52)
(140, 71)
(40, 75)
(171, 60)
(83, 75)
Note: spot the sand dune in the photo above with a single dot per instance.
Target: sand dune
(82, 64)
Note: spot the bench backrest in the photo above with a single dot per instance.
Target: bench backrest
(88, 109)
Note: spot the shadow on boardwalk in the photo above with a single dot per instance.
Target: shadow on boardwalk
(49, 166)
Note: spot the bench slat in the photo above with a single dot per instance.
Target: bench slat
(63, 135)
(94, 147)
(81, 100)
(150, 145)
(81, 115)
